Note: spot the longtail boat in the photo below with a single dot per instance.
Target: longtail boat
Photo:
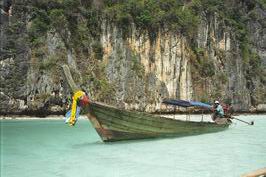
(113, 124)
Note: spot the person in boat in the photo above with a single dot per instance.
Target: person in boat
(218, 111)
(79, 100)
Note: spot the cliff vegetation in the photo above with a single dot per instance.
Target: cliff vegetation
(134, 53)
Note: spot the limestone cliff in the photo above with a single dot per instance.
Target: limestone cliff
(134, 65)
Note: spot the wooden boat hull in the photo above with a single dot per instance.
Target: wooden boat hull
(113, 124)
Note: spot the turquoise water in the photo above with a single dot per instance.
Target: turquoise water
(31, 148)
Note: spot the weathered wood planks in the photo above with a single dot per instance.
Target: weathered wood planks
(124, 125)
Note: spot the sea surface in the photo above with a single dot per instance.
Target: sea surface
(50, 148)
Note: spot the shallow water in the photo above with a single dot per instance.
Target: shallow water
(50, 148)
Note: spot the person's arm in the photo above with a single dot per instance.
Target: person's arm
(220, 110)
(217, 109)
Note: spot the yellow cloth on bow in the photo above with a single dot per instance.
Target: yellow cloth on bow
(76, 97)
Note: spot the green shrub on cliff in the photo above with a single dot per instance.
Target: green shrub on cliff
(38, 27)
(150, 15)
(49, 63)
(98, 50)
(262, 3)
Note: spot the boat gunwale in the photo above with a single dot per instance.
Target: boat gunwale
(184, 123)
(154, 116)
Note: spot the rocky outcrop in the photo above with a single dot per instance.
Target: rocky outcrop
(136, 71)
(14, 64)
(25, 88)
(145, 71)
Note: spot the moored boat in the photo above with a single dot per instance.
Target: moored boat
(113, 124)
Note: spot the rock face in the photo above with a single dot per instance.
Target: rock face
(133, 71)
(220, 46)
(146, 71)
(13, 62)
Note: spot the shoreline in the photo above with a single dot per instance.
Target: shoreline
(61, 117)
(41, 114)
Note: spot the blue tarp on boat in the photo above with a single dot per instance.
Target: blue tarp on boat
(181, 103)
(184, 103)
(200, 104)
